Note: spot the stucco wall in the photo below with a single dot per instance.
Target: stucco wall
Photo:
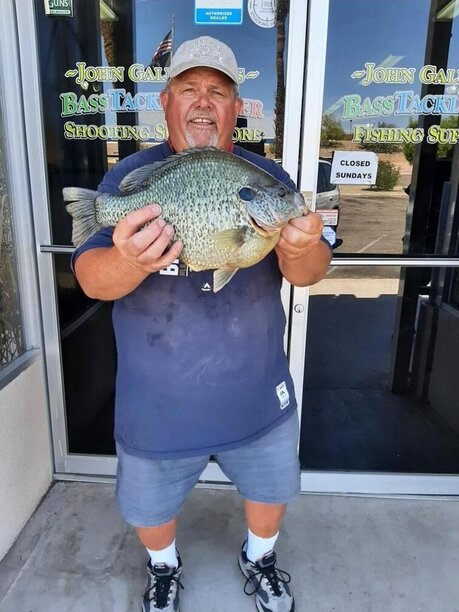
(25, 451)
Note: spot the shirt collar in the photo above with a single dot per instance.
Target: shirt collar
(169, 144)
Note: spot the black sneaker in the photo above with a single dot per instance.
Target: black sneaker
(269, 583)
(162, 592)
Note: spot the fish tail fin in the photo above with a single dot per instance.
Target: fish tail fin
(82, 207)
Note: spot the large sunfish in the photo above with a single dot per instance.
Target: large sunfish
(227, 211)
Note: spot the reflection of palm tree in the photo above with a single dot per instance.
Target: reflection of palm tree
(279, 108)
(107, 32)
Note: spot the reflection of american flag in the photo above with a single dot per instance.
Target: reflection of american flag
(162, 55)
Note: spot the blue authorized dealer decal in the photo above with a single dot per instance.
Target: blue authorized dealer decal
(218, 12)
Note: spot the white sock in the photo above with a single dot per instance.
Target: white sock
(167, 555)
(257, 547)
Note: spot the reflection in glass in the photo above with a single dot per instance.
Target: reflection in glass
(455, 291)
(386, 93)
(11, 330)
(88, 364)
(260, 53)
(351, 418)
(72, 302)
(391, 93)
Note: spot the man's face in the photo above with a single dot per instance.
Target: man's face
(201, 109)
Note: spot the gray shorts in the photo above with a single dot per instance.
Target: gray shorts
(151, 492)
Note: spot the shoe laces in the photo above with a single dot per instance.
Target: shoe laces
(160, 590)
(273, 575)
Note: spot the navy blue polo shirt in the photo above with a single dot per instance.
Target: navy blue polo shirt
(198, 372)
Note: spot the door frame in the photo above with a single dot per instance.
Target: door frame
(307, 43)
(319, 481)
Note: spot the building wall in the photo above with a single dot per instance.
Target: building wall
(25, 451)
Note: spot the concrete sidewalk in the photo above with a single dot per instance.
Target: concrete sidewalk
(345, 554)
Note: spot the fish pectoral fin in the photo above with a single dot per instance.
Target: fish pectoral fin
(222, 277)
(230, 238)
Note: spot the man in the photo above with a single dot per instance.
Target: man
(199, 373)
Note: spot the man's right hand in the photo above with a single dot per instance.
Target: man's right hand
(148, 249)
(109, 273)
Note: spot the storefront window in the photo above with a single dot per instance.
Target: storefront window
(11, 330)
(351, 419)
(380, 388)
(389, 98)
(455, 293)
(117, 101)
(102, 70)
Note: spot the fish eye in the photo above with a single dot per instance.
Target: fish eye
(246, 193)
(281, 192)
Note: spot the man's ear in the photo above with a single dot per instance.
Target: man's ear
(164, 97)
(239, 106)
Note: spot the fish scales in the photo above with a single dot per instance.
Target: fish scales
(198, 201)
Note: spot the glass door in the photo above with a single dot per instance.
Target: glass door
(95, 69)
(378, 365)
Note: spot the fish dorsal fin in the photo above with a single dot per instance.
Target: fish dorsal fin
(141, 176)
(222, 277)
(230, 238)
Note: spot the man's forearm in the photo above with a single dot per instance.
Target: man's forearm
(308, 268)
(104, 274)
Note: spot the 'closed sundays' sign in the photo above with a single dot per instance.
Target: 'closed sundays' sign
(354, 168)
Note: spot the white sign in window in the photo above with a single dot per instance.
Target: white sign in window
(354, 168)
(329, 234)
(329, 216)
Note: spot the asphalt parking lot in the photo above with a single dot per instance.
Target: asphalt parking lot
(371, 223)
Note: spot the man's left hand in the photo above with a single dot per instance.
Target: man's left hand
(299, 236)
(303, 257)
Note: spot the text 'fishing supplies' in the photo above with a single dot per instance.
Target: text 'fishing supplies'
(227, 212)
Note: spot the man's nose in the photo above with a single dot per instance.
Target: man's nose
(204, 100)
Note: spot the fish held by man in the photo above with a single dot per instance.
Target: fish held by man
(227, 211)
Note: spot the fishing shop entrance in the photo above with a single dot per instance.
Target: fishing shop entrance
(375, 344)
(99, 67)
(371, 346)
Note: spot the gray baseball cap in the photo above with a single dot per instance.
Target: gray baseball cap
(204, 51)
